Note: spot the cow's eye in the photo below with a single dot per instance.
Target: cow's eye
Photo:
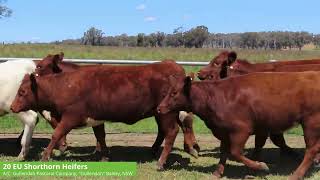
(22, 92)
(38, 67)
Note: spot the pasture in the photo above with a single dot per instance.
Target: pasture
(133, 142)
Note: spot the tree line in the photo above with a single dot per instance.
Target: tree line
(199, 37)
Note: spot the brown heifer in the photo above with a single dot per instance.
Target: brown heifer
(255, 103)
(218, 66)
(90, 95)
(226, 64)
(54, 64)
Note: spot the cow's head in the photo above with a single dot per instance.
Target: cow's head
(178, 96)
(49, 64)
(217, 68)
(27, 95)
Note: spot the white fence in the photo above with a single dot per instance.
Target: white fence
(103, 61)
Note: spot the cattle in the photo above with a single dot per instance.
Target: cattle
(12, 73)
(53, 64)
(226, 64)
(89, 96)
(227, 61)
(256, 103)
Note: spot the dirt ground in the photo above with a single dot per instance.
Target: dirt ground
(136, 147)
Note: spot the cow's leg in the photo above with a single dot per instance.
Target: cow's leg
(311, 130)
(160, 137)
(170, 129)
(29, 119)
(18, 142)
(260, 141)
(237, 142)
(98, 146)
(279, 141)
(224, 153)
(62, 144)
(186, 123)
(101, 147)
(63, 128)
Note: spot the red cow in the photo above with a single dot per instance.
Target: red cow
(89, 96)
(219, 65)
(54, 64)
(226, 64)
(255, 103)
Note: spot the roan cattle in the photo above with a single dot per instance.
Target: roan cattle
(226, 65)
(255, 103)
(89, 96)
(53, 64)
(12, 73)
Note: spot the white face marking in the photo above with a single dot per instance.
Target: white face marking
(183, 115)
(92, 123)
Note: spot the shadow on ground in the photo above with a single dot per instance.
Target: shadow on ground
(278, 163)
(281, 164)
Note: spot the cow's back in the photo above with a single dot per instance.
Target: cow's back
(269, 97)
(133, 91)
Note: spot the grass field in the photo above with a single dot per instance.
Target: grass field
(136, 147)
(182, 167)
(103, 52)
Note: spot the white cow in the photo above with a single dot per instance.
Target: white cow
(12, 73)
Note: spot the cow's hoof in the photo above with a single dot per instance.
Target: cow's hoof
(216, 175)
(160, 167)
(194, 153)
(196, 147)
(21, 157)
(44, 159)
(104, 159)
(249, 177)
(63, 148)
(263, 166)
(316, 164)
(294, 177)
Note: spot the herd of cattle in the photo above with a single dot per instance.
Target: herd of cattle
(235, 99)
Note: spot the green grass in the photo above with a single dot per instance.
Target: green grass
(103, 52)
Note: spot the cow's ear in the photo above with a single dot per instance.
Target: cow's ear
(232, 56)
(61, 56)
(34, 85)
(191, 75)
(187, 85)
(56, 60)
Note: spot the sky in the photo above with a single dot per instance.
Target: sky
(46, 21)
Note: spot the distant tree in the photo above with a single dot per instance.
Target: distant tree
(160, 39)
(196, 37)
(92, 37)
(176, 39)
(4, 10)
(140, 40)
(302, 38)
(152, 39)
(316, 40)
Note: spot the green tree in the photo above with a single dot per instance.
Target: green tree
(92, 37)
(196, 37)
(140, 40)
(4, 10)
